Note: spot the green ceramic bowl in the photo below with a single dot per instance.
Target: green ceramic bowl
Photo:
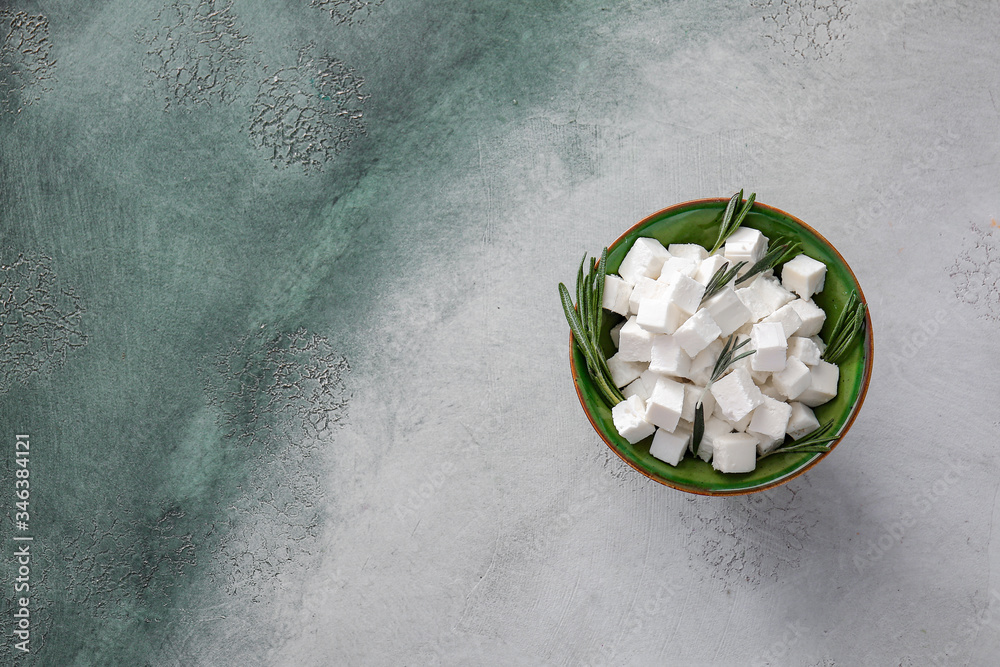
(698, 222)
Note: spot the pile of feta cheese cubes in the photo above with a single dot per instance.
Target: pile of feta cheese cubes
(669, 342)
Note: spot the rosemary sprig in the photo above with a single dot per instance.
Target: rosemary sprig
(731, 219)
(778, 252)
(850, 323)
(817, 441)
(598, 282)
(726, 227)
(582, 304)
(585, 319)
(598, 319)
(720, 279)
(725, 360)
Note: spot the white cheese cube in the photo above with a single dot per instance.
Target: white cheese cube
(727, 310)
(736, 395)
(804, 349)
(803, 275)
(767, 444)
(644, 259)
(634, 342)
(665, 404)
(667, 357)
(675, 318)
(708, 268)
(802, 421)
(754, 303)
(792, 381)
(642, 386)
(745, 245)
(645, 288)
(615, 330)
(629, 420)
(616, 294)
(675, 267)
(636, 388)
(703, 364)
(787, 317)
(768, 339)
(812, 317)
(708, 401)
(649, 378)
(763, 296)
(714, 427)
(768, 389)
(819, 343)
(692, 393)
(660, 316)
(823, 380)
(697, 332)
(734, 452)
(622, 371)
(687, 250)
(740, 425)
(772, 292)
(770, 418)
(670, 447)
(686, 293)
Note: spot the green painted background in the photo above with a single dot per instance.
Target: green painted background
(210, 233)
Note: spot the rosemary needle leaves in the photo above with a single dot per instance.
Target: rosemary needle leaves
(848, 326)
(720, 279)
(585, 319)
(731, 219)
(725, 360)
(817, 441)
(778, 252)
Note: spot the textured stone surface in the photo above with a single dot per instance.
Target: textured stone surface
(280, 316)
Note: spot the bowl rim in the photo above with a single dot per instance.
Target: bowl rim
(866, 377)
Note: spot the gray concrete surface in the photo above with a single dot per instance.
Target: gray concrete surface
(454, 506)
